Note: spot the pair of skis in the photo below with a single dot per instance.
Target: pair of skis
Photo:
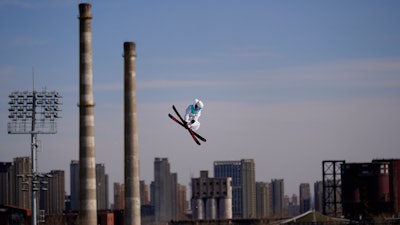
(183, 123)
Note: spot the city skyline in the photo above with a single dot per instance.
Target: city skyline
(369, 189)
(288, 84)
(72, 180)
(163, 181)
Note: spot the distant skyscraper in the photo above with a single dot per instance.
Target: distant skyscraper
(22, 166)
(119, 193)
(318, 191)
(181, 202)
(7, 183)
(144, 193)
(249, 188)
(163, 207)
(243, 185)
(52, 201)
(232, 169)
(15, 186)
(293, 206)
(102, 187)
(74, 184)
(263, 200)
(305, 197)
(277, 193)
(165, 192)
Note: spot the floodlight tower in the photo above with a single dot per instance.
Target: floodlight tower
(33, 112)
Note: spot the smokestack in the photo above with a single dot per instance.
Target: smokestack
(87, 163)
(132, 188)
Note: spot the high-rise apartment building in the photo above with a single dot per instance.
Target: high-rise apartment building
(144, 193)
(119, 196)
(102, 187)
(74, 184)
(318, 191)
(181, 202)
(15, 187)
(7, 183)
(277, 194)
(162, 190)
(22, 168)
(52, 196)
(293, 208)
(263, 209)
(305, 197)
(243, 185)
(232, 169)
(166, 196)
(249, 188)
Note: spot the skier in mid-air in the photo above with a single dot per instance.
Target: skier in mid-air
(193, 113)
(190, 120)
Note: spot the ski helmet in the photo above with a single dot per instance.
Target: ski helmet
(198, 103)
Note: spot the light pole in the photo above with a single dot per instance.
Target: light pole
(34, 112)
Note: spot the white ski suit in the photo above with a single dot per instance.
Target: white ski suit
(191, 117)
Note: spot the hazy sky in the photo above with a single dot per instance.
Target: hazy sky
(287, 83)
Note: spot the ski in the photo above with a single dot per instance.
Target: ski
(190, 130)
(183, 125)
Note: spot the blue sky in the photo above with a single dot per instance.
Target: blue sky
(287, 83)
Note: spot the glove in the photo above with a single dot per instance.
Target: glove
(187, 124)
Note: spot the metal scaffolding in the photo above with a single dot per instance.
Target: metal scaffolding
(332, 190)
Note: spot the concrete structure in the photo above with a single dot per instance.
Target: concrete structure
(318, 191)
(52, 201)
(263, 196)
(181, 204)
(102, 187)
(277, 193)
(7, 183)
(14, 184)
(87, 162)
(23, 195)
(305, 197)
(144, 193)
(162, 191)
(211, 197)
(167, 195)
(119, 193)
(243, 185)
(248, 188)
(131, 151)
(74, 184)
(292, 205)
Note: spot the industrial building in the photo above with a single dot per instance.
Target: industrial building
(211, 197)
(371, 190)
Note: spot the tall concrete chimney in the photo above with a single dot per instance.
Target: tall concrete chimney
(132, 182)
(87, 163)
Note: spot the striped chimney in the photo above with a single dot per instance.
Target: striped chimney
(87, 164)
